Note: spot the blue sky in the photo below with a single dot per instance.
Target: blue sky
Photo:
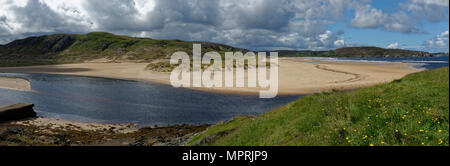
(253, 24)
(382, 38)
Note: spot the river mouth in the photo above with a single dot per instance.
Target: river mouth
(104, 100)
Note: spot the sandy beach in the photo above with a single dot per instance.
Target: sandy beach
(15, 84)
(296, 75)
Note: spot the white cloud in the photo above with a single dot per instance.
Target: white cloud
(34, 16)
(297, 24)
(255, 24)
(339, 43)
(401, 22)
(368, 17)
(438, 43)
(393, 45)
(431, 10)
(433, 2)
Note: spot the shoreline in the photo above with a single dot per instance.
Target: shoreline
(296, 75)
(15, 83)
(340, 75)
(41, 131)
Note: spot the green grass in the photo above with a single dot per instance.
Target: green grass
(160, 67)
(62, 48)
(411, 111)
(311, 54)
(357, 52)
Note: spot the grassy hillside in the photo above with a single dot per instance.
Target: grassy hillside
(356, 52)
(63, 48)
(378, 52)
(308, 53)
(74, 48)
(410, 111)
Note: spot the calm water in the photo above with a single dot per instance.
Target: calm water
(90, 99)
(419, 62)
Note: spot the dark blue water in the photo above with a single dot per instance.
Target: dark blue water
(90, 99)
(418, 62)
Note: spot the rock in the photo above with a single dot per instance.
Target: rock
(152, 141)
(17, 112)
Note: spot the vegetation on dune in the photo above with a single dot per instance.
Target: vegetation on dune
(160, 67)
(411, 111)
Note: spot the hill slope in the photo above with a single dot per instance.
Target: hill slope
(356, 52)
(64, 48)
(410, 111)
(378, 52)
(74, 48)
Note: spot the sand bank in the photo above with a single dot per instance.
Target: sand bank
(15, 83)
(296, 75)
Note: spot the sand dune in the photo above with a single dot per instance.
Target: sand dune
(296, 75)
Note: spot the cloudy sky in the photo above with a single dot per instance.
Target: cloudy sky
(253, 24)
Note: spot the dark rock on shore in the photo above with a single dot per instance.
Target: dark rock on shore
(17, 112)
(30, 133)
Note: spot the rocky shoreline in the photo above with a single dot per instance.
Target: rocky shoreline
(54, 132)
